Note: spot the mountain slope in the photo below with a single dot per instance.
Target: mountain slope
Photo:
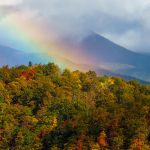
(116, 58)
(13, 57)
(10, 56)
(103, 49)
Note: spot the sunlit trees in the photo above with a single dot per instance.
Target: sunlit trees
(44, 107)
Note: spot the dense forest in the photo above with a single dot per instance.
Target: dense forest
(45, 108)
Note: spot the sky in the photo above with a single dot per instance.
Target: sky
(125, 22)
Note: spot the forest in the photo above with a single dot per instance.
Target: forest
(43, 107)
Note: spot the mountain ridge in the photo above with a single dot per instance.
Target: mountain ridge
(106, 52)
(107, 57)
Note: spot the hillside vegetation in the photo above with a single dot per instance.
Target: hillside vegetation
(45, 108)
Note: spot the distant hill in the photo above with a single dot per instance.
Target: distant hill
(10, 56)
(13, 57)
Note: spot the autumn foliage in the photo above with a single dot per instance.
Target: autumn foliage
(45, 108)
(28, 74)
(102, 139)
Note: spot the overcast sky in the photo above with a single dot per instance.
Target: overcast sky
(126, 22)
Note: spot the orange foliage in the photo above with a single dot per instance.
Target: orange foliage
(80, 142)
(137, 144)
(102, 116)
(27, 74)
(102, 139)
(79, 145)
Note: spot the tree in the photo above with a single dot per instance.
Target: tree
(102, 140)
(30, 64)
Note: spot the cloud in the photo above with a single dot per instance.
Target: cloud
(124, 22)
(128, 39)
(9, 2)
(6, 10)
(8, 7)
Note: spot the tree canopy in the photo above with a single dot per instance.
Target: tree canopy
(45, 108)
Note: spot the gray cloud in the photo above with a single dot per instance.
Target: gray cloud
(6, 10)
(124, 22)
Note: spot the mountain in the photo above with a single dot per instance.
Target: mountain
(116, 58)
(10, 56)
(13, 57)
(107, 57)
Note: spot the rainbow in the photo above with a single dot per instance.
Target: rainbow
(24, 34)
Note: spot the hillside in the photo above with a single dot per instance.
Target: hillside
(45, 108)
(116, 58)
(12, 57)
